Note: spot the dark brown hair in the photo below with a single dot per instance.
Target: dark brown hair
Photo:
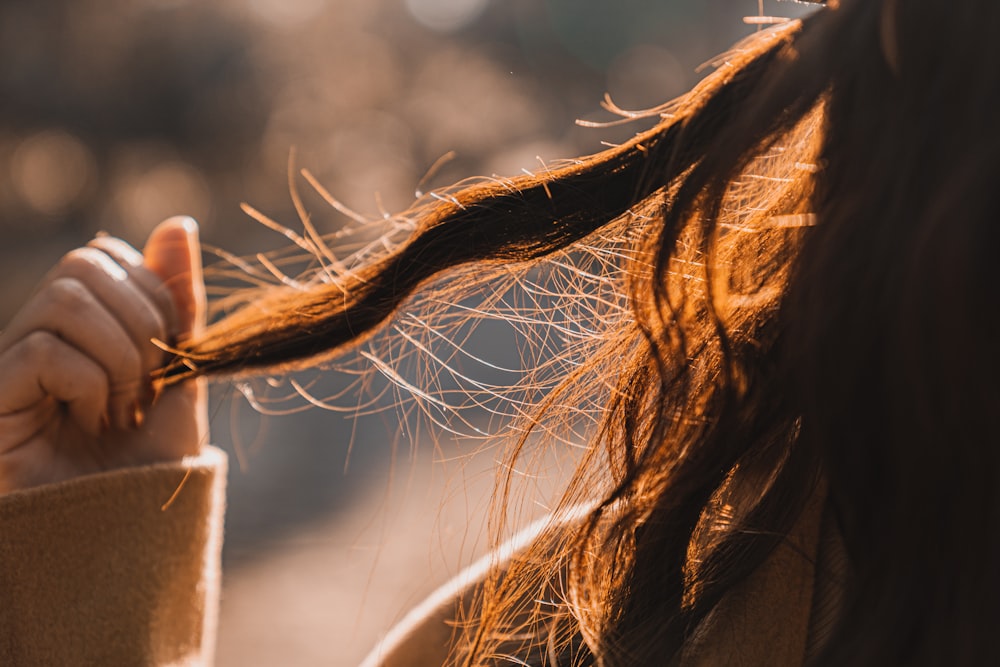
(807, 260)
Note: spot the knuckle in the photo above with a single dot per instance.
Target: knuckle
(80, 260)
(68, 293)
(90, 264)
(40, 346)
(118, 249)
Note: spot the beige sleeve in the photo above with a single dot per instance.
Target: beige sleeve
(114, 568)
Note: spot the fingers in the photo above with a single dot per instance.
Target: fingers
(173, 253)
(105, 303)
(67, 308)
(131, 260)
(40, 366)
(129, 293)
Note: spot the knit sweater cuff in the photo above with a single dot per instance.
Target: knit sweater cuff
(117, 568)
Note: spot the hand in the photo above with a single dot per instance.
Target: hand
(75, 362)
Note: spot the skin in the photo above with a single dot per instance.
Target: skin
(76, 394)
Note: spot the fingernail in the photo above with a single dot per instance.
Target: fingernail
(138, 416)
(189, 224)
(101, 234)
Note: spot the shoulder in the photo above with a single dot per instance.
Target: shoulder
(426, 636)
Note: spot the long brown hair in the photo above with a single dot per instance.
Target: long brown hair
(805, 248)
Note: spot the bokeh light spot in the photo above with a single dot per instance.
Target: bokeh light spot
(286, 13)
(145, 198)
(446, 15)
(51, 171)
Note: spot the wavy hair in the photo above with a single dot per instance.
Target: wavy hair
(804, 248)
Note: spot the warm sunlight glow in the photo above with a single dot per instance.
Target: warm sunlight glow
(51, 170)
(446, 15)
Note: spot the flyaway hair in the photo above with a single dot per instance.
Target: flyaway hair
(806, 247)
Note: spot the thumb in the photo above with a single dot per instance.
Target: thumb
(173, 253)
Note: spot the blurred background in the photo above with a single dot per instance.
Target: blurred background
(119, 113)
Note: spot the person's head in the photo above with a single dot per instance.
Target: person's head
(807, 242)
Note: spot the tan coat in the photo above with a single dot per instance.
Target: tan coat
(122, 568)
(96, 571)
(778, 617)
